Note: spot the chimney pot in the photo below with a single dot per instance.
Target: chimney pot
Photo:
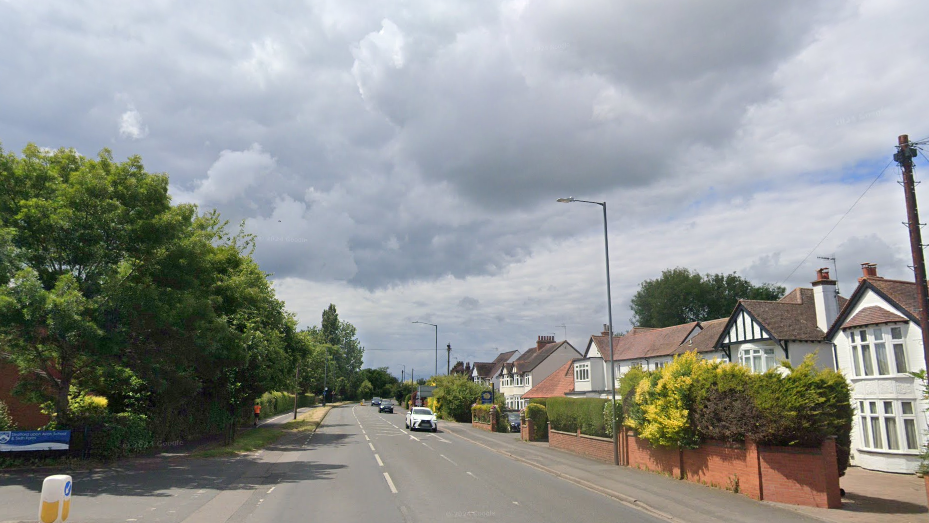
(822, 274)
(868, 270)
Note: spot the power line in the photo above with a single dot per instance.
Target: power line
(805, 258)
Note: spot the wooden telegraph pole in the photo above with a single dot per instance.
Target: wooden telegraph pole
(904, 156)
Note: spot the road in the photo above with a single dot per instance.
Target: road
(359, 466)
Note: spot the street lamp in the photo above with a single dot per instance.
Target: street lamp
(609, 308)
(436, 344)
(448, 364)
(403, 373)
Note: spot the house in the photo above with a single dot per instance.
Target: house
(878, 343)
(462, 368)
(761, 334)
(487, 373)
(557, 384)
(533, 366)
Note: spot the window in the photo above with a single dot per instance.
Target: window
(878, 351)
(527, 379)
(519, 380)
(758, 360)
(660, 364)
(888, 425)
(582, 371)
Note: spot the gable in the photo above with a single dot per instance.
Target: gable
(892, 295)
(592, 350)
(743, 328)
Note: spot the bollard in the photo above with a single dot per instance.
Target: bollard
(55, 502)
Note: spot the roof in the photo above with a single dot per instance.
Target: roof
(901, 295)
(649, 343)
(534, 356)
(793, 317)
(483, 369)
(705, 340)
(873, 315)
(556, 384)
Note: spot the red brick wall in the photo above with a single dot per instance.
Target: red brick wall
(483, 426)
(26, 415)
(801, 476)
(643, 455)
(722, 466)
(592, 447)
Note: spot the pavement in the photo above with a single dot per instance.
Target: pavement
(870, 496)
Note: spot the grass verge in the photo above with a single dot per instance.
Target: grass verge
(251, 440)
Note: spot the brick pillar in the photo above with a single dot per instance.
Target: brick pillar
(831, 473)
(493, 418)
(530, 430)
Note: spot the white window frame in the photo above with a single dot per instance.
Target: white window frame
(582, 371)
(877, 350)
(527, 379)
(519, 380)
(888, 425)
(764, 356)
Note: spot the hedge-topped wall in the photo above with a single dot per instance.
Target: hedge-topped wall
(692, 400)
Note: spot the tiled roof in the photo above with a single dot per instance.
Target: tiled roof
(556, 384)
(793, 317)
(500, 360)
(705, 340)
(534, 356)
(483, 369)
(647, 343)
(873, 315)
(904, 293)
(901, 295)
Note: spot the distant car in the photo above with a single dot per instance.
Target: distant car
(421, 418)
(376, 402)
(386, 406)
(513, 419)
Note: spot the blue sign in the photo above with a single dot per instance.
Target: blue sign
(68, 488)
(487, 397)
(34, 440)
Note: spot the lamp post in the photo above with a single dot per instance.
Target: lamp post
(403, 373)
(326, 375)
(609, 308)
(436, 344)
(448, 363)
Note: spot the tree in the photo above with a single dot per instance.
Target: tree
(682, 296)
(365, 390)
(346, 360)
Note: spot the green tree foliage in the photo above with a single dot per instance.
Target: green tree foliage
(365, 390)
(454, 395)
(6, 420)
(346, 360)
(382, 382)
(682, 296)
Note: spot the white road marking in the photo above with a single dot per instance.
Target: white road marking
(390, 483)
(440, 438)
(367, 438)
(450, 461)
(379, 462)
(427, 446)
(516, 502)
(270, 489)
(472, 475)
(414, 437)
(371, 445)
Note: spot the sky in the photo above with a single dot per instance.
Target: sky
(402, 160)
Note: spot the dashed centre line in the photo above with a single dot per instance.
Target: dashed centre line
(450, 461)
(379, 462)
(390, 483)
(371, 445)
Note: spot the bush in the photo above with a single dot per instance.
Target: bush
(273, 403)
(617, 410)
(572, 414)
(538, 413)
(118, 435)
(6, 420)
(483, 413)
(454, 396)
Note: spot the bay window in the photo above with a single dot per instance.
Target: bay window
(878, 351)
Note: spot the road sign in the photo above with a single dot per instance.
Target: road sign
(487, 397)
(425, 391)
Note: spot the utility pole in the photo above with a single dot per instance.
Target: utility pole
(296, 389)
(904, 156)
(448, 362)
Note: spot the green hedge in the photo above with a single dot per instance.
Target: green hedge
(538, 413)
(692, 400)
(572, 414)
(6, 420)
(484, 413)
(274, 403)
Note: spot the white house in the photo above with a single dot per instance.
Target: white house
(761, 334)
(878, 343)
(488, 372)
(533, 366)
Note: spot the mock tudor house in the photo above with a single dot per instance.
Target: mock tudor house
(533, 366)
(761, 334)
(488, 373)
(878, 343)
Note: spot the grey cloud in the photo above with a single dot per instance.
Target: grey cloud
(469, 303)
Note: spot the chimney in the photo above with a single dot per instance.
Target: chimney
(543, 341)
(606, 330)
(868, 270)
(825, 299)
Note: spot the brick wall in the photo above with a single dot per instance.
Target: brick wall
(483, 426)
(719, 465)
(27, 416)
(590, 446)
(642, 455)
(801, 476)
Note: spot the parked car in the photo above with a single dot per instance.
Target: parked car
(421, 418)
(386, 406)
(513, 418)
(376, 402)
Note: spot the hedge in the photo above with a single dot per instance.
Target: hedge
(692, 400)
(572, 414)
(273, 403)
(482, 413)
(538, 413)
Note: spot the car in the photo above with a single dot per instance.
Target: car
(386, 406)
(376, 402)
(421, 418)
(513, 418)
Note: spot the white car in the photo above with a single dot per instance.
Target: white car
(421, 418)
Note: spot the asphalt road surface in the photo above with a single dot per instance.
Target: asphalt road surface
(360, 466)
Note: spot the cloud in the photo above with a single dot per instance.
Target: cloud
(131, 126)
(231, 175)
